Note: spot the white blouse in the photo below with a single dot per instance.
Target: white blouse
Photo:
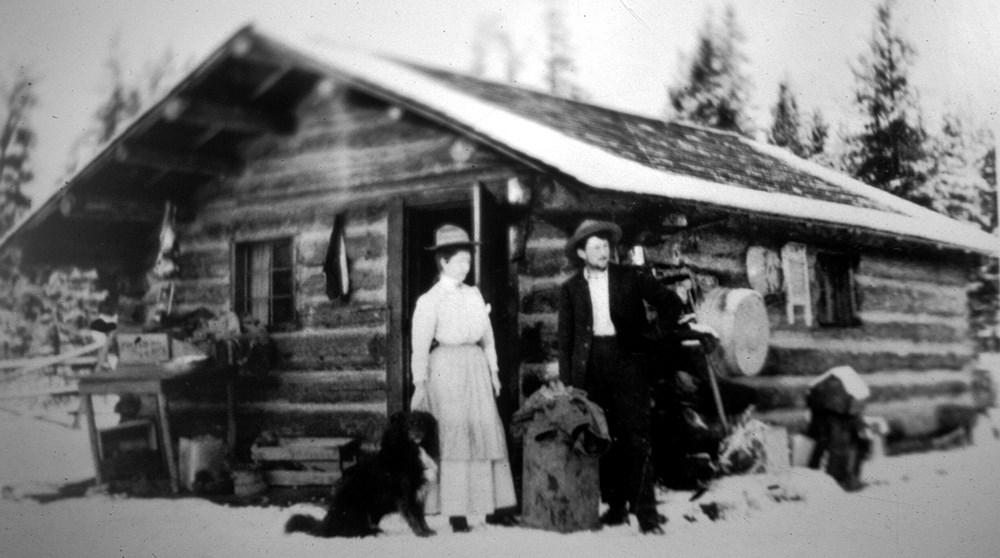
(452, 313)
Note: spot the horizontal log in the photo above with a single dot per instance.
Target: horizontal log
(939, 272)
(180, 161)
(899, 297)
(316, 387)
(847, 340)
(313, 280)
(807, 361)
(889, 332)
(542, 261)
(213, 291)
(102, 208)
(360, 420)
(782, 392)
(915, 417)
(341, 349)
(369, 245)
(540, 300)
(332, 315)
(199, 112)
(203, 264)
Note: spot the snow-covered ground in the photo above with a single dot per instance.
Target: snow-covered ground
(934, 504)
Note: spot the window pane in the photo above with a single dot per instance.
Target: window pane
(281, 283)
(282, 253)
(240, 304)
(283, 312)
(264, 281)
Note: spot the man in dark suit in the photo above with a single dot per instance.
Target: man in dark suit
(602, 349)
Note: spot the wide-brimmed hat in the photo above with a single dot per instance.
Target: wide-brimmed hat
(590, 227)
(450, 236)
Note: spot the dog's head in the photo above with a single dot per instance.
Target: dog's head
(416, 427)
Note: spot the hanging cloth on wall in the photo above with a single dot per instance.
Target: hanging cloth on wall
(338, 277)
(165, 265)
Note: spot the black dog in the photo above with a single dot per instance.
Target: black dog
(388, 481)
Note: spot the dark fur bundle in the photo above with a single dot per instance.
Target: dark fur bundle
(386, 482)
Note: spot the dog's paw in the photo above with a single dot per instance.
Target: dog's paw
(426, 532)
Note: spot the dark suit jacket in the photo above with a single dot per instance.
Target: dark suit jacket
(627, 289)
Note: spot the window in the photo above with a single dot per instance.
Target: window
(837, 303)
(264, 279)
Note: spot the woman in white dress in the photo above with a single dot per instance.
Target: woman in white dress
(454, 367)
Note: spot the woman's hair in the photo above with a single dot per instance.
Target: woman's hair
(447, 253)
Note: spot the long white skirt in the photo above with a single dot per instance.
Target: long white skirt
(475, 476)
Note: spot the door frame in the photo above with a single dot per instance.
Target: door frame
(398, 279)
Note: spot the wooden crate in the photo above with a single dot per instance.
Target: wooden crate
(321, 460)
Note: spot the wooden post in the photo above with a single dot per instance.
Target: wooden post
(87, 407)
(396, 376)
(477, 231)
(168, 446)
(230, 415)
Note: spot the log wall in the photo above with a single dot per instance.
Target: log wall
(913, 345)
(351, 155)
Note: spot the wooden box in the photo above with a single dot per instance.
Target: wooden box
(317, 461)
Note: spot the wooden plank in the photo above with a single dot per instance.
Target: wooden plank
(307, 449)
(395, 359)
(302, 478)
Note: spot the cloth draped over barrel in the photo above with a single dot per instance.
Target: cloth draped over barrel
(564, 434)
(579, 418)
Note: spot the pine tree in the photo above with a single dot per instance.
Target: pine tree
(819, 132)
(715, 91)
(493, 47)
(892, 155)
(560, 62)
(124, 98)
(955, 185)
(786, 130)
(17, 141)
(122, 102)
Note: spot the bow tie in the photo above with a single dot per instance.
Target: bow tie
(596, 274)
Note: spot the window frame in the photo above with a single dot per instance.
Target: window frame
(837, 302)
(241, 284)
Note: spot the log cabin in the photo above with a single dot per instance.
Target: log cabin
(304, 180)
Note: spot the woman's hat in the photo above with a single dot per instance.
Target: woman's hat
(448, 236)
(590, 227)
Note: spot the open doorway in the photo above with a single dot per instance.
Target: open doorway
(478, 214)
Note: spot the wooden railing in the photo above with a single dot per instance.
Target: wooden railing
(63, 370)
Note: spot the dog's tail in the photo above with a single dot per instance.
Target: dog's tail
(303, 523)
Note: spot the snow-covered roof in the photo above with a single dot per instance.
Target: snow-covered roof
(618, 151)
(612, 150)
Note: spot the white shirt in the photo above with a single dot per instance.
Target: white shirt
(452, 313)
(598, 284)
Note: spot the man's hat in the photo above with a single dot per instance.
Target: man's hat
(590, 227)
(449, 236)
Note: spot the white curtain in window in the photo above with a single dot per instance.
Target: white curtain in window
(260, 282)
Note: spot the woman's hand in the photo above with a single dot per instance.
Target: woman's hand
(420, 401)
(495, 377)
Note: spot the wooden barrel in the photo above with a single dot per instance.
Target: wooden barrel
(740, 318)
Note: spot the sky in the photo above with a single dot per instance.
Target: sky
(627, 51)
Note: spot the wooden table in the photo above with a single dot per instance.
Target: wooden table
(159, 380)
